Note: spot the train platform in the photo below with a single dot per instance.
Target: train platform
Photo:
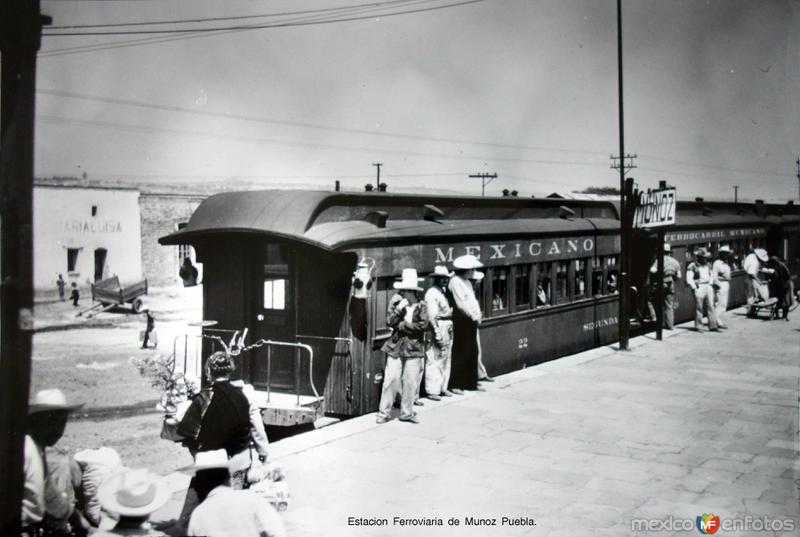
(699, 429)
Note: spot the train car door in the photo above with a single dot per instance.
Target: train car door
(274, 304)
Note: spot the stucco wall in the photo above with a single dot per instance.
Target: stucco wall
(63, 219)
(161, 214)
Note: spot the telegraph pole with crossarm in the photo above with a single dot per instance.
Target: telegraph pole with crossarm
(483, 177)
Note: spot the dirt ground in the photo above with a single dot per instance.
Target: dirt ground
(90, 361)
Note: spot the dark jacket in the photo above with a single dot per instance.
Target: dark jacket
(218, 418)
(408, 337)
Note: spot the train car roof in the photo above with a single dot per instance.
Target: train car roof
(343, 234)
(333, 219)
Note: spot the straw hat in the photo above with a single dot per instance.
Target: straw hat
(133, 493)
(47, 400)
(701, 252)
(761, 254)
(409, 281)
(724, 249)
(440, 271)
(667, 247)
(466, 262)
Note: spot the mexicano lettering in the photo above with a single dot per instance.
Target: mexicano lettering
(83, 226)
(599, 323)
(534, 250)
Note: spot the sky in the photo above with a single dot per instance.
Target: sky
(435, 90)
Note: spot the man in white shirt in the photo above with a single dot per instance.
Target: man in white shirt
(721, 281)
(755, 266)
(698, 277)
(226, 512)
(438, 354)
(672, 273)
(466, 318)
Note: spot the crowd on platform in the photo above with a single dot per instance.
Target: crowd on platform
(768, 284)
(434, 336)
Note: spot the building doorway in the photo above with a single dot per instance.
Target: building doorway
(99, 263)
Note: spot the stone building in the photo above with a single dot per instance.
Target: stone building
(162, 214)
(91, 230)
(85, 234)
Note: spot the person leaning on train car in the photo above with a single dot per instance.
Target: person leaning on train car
(220, 417)
(698, 277)
(721, 281)
(405, 350)
(755, 266)
(780, 286)
(438, 355)
(466, 318)
(672, 273)
(483, 375)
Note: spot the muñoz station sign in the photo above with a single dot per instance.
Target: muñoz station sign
(655, 208)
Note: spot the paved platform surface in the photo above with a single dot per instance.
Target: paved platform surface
(599, 443)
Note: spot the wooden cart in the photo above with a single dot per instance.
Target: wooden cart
(109, 293)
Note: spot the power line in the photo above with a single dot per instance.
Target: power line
(155, 130)
(258, 26)
(714, 167)
(241, 17)
(98, 47)
(172, 108)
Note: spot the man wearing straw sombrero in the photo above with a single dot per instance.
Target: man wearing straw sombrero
(440, 313)
(699, 278)
(466, 318)
(45, 506)
(755, 264)
(405, 349)
(131, 496)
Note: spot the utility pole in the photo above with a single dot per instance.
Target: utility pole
(20, 37)
(625, 224)
(483, 177)
(736, 194)
(378, 180)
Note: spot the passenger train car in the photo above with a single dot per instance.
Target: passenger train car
(282, 265)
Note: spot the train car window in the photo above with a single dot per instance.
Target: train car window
(522, 287)
(597, 276)
(737, 254)
(274, 293)
(612, 274)
(499, 289)
(580, 290)
(478, 287)
(544, 284)
(562, 282)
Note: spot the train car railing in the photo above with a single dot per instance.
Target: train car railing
(347, 353)
(299, 348)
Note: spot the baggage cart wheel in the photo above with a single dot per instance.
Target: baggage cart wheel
(136, 305)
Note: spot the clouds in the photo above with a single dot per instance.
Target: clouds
(709, 91)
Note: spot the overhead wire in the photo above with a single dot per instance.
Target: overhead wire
(217, 19)
(99, 47)
(256, 119)
(257, 26)
(251, 139)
